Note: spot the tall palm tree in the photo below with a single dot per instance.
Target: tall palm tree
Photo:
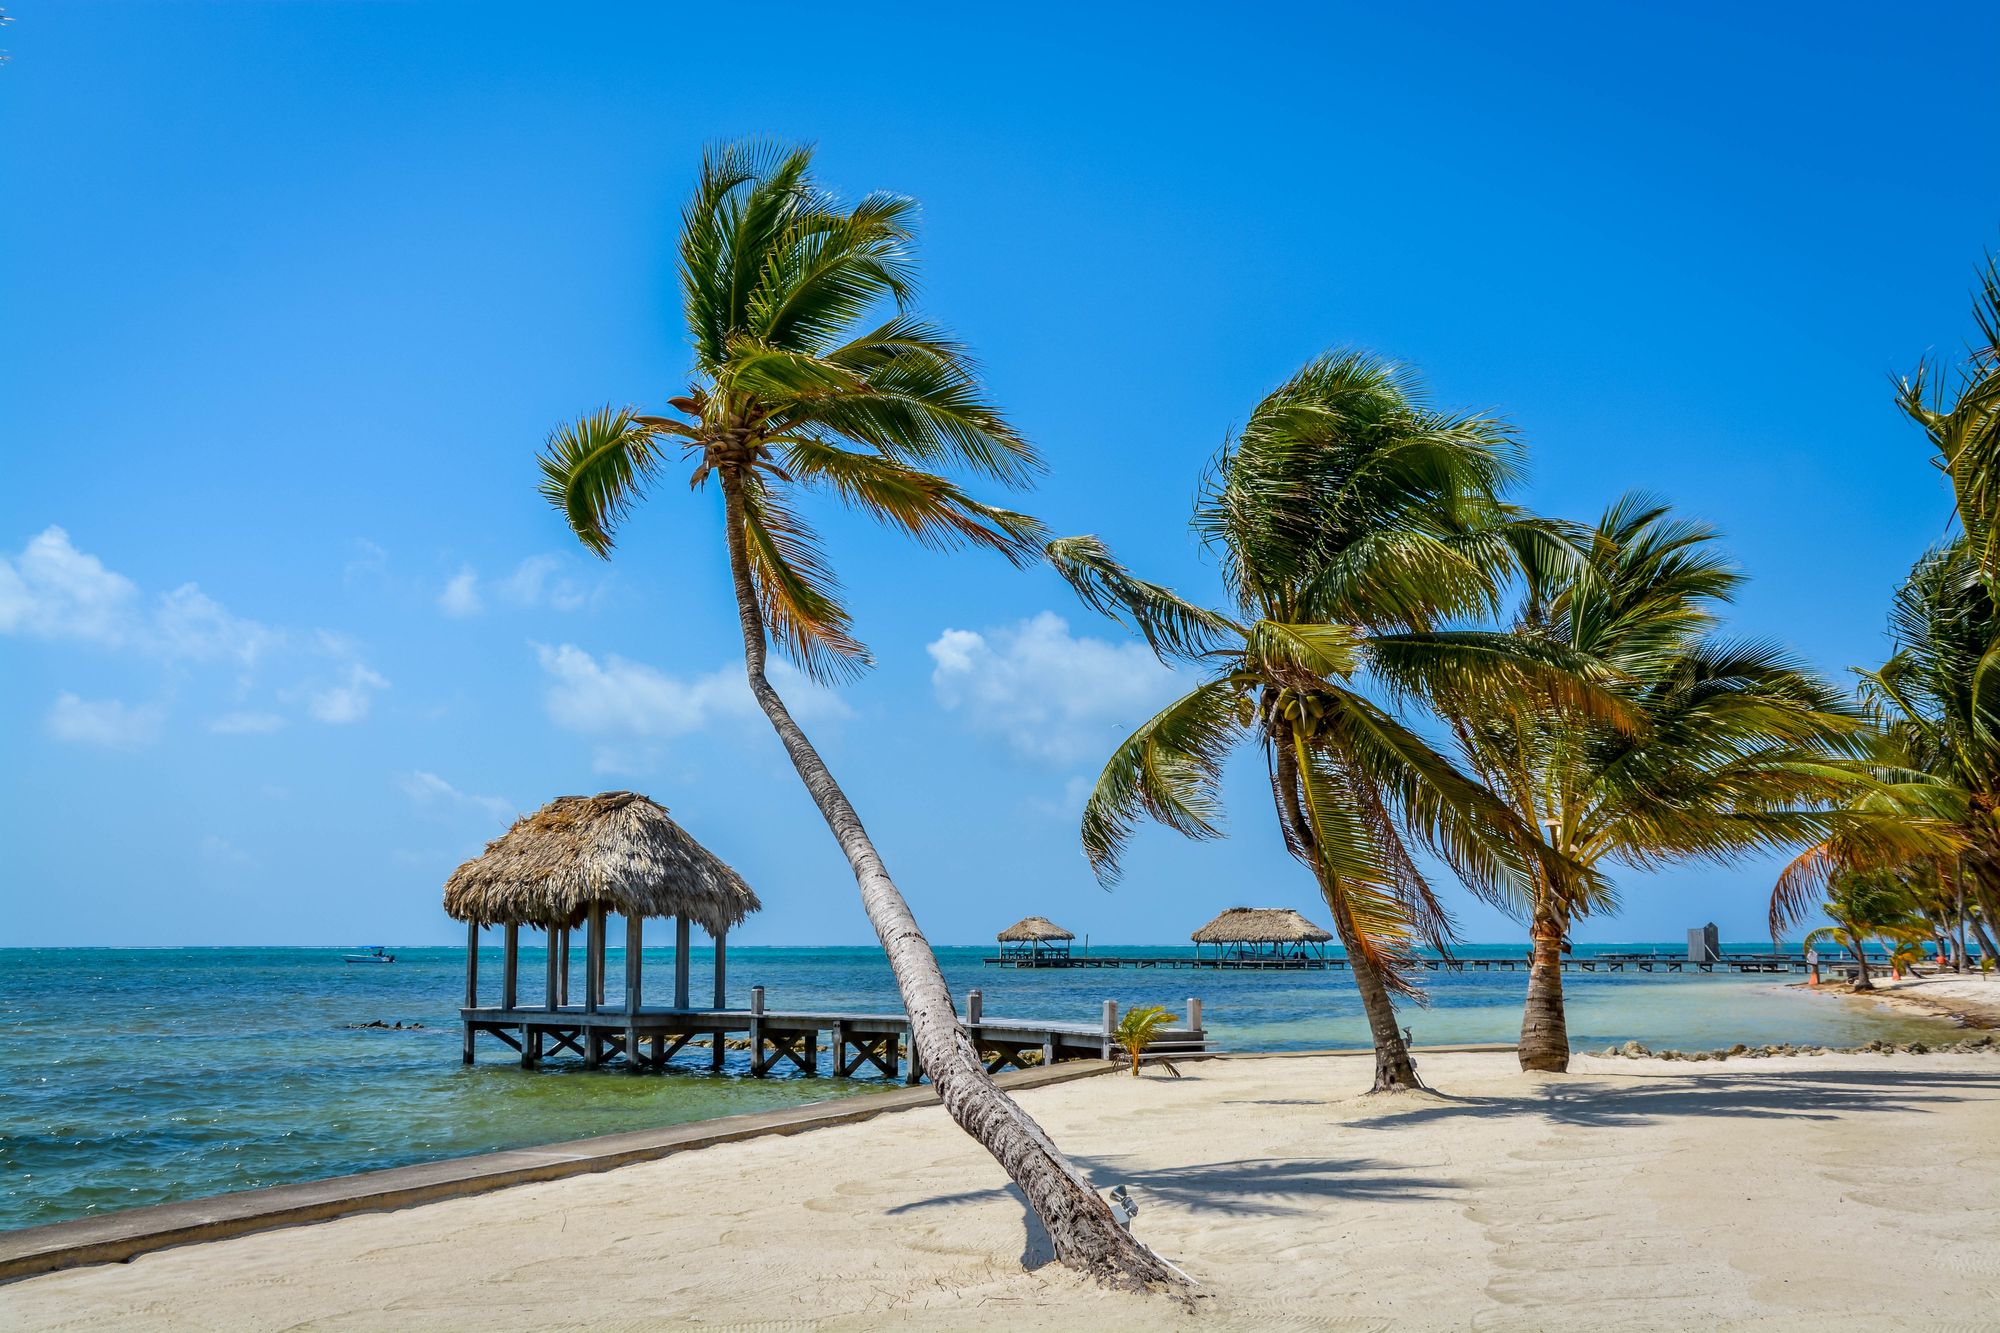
(1960, 413)
(792, 392)
(1351, 521)
(1722, 747)
(1936, 749)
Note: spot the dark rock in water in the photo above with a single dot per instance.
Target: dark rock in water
(1738, 1049)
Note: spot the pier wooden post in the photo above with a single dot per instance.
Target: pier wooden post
(593, 962)
(1194, 1015)
(722, 970)
(635, 945)
(471, 982)
(1110, 1024)
(975, 1009)
(715, 1052)
(681, 961)
(562, 974)
(756, 1032)
(549, 982)
(913, 1072)
(510, 968)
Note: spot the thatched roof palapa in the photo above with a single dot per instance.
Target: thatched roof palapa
(617, 849)
(1030, 928)
(1260, 925)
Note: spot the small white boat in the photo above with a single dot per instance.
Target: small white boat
(374, 955)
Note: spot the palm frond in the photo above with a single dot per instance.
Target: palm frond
(595, 469)
(1168, 770)
(1172, 625)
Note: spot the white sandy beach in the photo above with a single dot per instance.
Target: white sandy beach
(1973, 1000)
(1752, 1194)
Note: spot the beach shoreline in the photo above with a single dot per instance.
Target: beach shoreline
(1971, 1001)
(1751, 1190)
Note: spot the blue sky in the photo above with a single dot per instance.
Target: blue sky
(290, 294)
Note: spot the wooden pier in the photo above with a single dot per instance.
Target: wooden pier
(1603, 962)
(641, 1039)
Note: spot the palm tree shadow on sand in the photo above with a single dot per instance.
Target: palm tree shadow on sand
(1806, 1094)
(1247, 1187)
(1279, 1187)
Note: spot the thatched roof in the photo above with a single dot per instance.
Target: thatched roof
(616, 848)
(1033, 928)
(1260, 925)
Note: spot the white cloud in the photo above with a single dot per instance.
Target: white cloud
(51, 590)
(429, 791)
(1049, 694)
(191, 624)
(370, 562)
(107, 722)
(630, 699)
(537, 583)
(460, 597)
(349, 698)
(221, 851)
(245, 724)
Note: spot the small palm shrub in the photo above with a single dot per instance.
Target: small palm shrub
(1137, 1029)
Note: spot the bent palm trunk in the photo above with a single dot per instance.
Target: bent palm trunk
(1394, 1070)
(1081, 1227)
(1859, 947)
(1544, 1025)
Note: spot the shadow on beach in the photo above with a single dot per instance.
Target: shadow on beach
(1250, 1187)
(1269, 1187)
(1805, 1094)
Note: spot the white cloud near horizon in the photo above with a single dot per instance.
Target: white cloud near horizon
(51, 590)
(109, 723)
(430, 792)
(1051, 695)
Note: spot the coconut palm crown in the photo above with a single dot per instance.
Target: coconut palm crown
(1722, 747)
(795, 388)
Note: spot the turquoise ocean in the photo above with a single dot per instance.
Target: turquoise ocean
(138, 1076)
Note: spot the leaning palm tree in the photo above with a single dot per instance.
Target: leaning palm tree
(1350, 521)
(792, 392)
(1722, 747)
(1865, 905)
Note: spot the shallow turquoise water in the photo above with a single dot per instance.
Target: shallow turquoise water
(140, 1076)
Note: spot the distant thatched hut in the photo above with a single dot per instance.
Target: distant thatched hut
(1248, 935)
(578, 859)
(1034, 937)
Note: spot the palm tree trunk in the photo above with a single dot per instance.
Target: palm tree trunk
(1081, 1227)
(1859, 947)
(1979, 938)
(1544, 1025)
(1395, 1071)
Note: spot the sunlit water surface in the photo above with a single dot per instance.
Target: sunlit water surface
(141, 1076)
